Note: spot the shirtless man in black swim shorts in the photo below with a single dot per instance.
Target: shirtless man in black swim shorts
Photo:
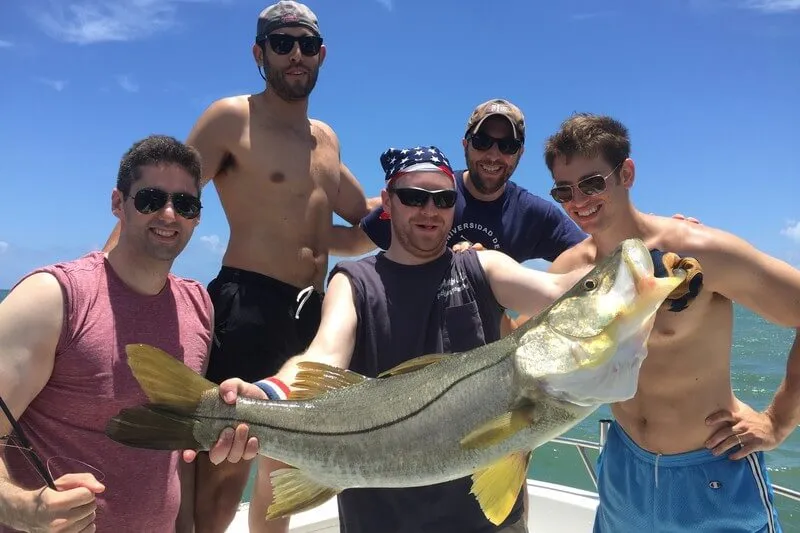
(279, 178)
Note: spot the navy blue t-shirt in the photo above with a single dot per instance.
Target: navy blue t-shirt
(518, 223)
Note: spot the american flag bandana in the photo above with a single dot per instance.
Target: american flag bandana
(396, 161)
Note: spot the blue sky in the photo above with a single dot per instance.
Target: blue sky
(708, 88)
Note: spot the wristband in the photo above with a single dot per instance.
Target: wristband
(274, 388)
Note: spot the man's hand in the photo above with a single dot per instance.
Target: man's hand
(233, 444)
(744, 427)
(466, 245)
(70, 508)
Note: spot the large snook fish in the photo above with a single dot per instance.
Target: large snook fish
(431, 419)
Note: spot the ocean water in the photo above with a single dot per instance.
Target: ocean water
(759, 363)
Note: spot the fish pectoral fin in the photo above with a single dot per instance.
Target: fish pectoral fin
(500, 428)
(315, 379)
(413, 365)
(293, 492)
(497, 486)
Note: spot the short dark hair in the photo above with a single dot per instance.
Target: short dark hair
(588, 135)
(157, 150)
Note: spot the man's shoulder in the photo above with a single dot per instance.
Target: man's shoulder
(582, 254)
(236, 105)
(321, 128)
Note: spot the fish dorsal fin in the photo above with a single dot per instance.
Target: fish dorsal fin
(293, 491)
(165, 379)
(497, 486)
(500, 428)
(413, 365)
(315, 379)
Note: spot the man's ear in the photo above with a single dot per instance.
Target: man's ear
(117, 201)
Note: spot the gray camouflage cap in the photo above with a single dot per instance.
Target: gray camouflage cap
(283, 14)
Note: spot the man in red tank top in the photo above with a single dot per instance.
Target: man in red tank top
(64, 371)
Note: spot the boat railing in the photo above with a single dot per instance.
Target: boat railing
(583, 446)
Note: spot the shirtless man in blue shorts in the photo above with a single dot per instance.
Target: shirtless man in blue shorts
(684, 454)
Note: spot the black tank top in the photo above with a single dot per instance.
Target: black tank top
(404, 312)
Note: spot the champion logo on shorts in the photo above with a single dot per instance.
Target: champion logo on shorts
(715, 484)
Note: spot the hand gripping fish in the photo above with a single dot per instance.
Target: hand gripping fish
(431, 419)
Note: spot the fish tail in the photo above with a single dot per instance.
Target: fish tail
(153, 427)
(175, 392)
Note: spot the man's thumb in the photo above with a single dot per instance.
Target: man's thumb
(74, 481)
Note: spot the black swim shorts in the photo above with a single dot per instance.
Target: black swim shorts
(259, 323)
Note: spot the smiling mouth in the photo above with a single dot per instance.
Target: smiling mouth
(164, 233)
(490, 169)
(588, 212)
(426, 227)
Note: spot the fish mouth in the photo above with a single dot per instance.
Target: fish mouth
(608, 352)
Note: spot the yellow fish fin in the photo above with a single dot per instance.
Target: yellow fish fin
(413, 365)
(294, 492)
(315, 379)
(500, 428)
(497, 486)
(166, 380)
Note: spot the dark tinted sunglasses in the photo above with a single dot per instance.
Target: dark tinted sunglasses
(416, 197)
(150, 200)
(282, 43)
(507, 145)
(589, 186)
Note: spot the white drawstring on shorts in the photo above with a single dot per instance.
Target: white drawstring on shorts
(303, 295)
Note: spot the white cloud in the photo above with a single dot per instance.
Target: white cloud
(6, 44)
(213, 243)
(127, 83)
(3, 247)
(97, 21)
(388, 4)
(57, 85)
(773, 6)
(792, 230)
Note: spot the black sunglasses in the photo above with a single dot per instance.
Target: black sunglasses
(589, 186)
(416, 197)
(506, 145)
(282, 43)
(150, 200)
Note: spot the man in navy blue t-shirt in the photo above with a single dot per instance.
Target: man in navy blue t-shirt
(491, 210)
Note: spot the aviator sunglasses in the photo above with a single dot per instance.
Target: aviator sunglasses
(506, 145)
(416, 197)
(589, 186)
(282, 43)
(150, 200)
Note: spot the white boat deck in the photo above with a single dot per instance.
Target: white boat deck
(553, 509)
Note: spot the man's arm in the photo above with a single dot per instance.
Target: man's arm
(31, 319)
(352, 205)
(524, 290)
(771, 288)
(333, 345)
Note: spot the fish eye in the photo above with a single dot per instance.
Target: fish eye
(589, 284)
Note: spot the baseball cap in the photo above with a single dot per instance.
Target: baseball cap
(498, 106)
(284, 14)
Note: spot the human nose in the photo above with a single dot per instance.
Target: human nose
(429, 208)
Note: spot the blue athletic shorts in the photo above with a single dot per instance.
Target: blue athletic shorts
(695, 491)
